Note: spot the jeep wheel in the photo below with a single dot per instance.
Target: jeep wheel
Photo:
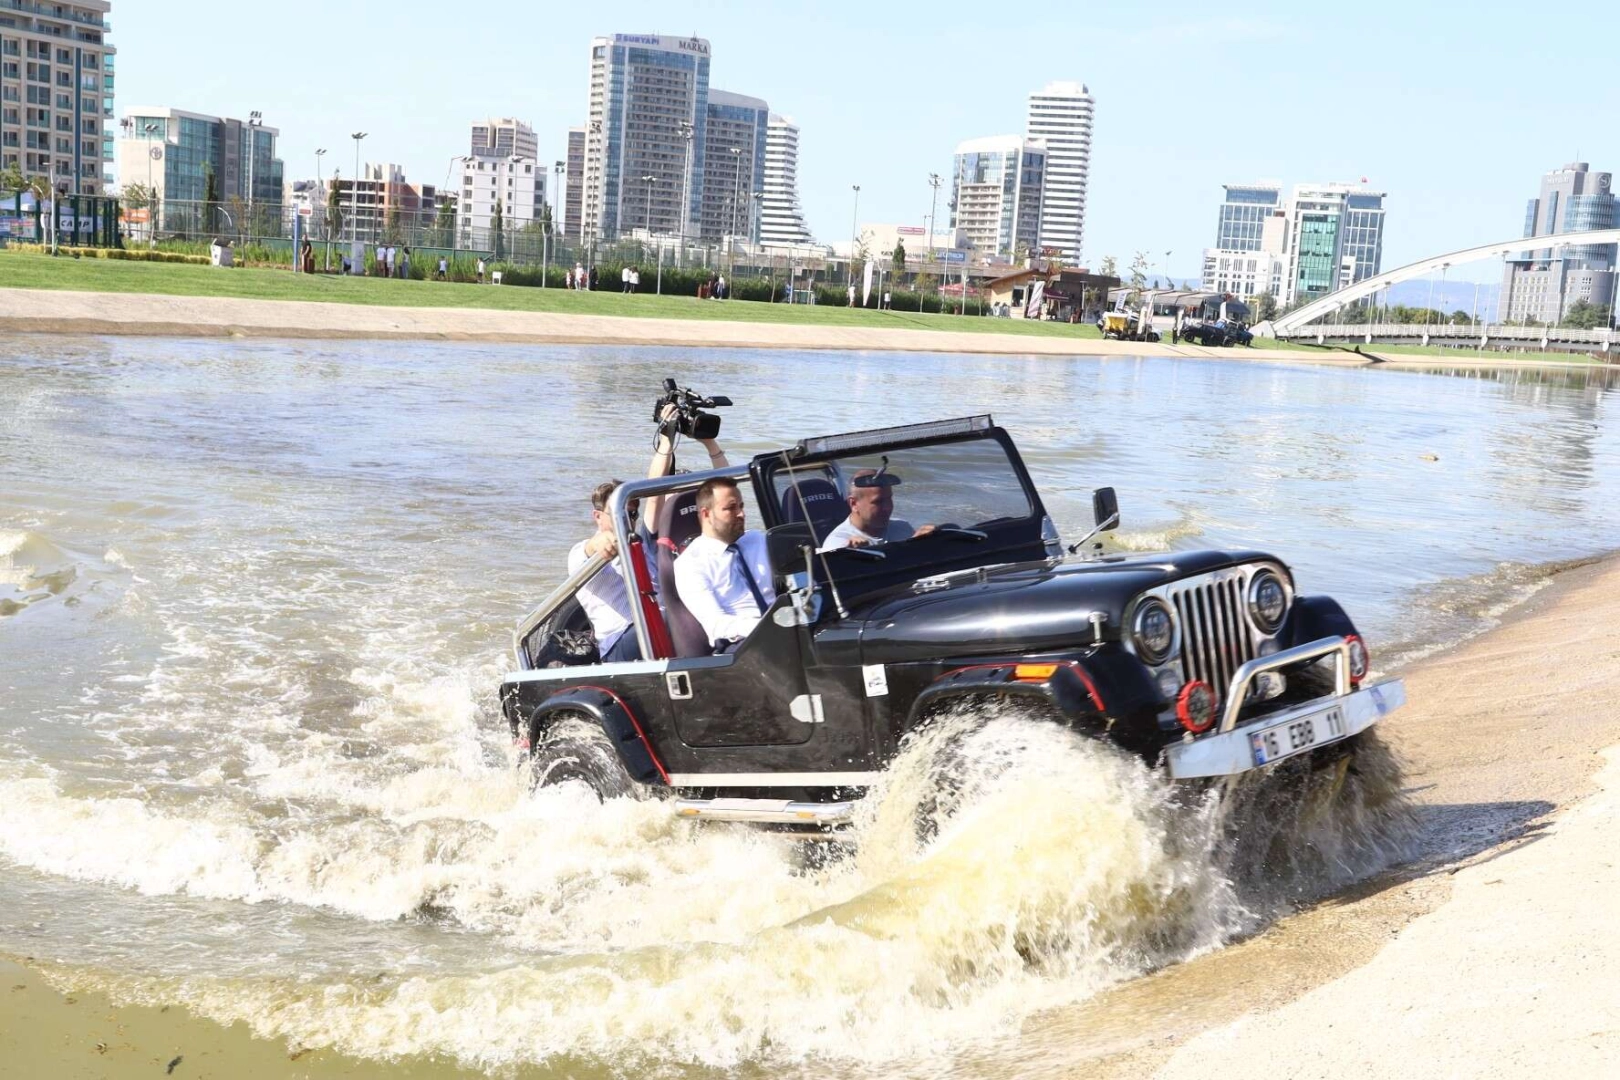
(575, 750)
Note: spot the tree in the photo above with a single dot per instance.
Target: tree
(897, 261)
(1109, 268)
(1584, 315)
(334, 210)
(1139, 269)
(210, 196)
(391, 231)
(924, 284)
(1265, 307)
(497, 231)
(444, 227)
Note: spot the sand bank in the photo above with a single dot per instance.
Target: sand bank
(63, 312)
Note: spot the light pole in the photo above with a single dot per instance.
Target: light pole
(736, 197)
(320, 153)
(687, 133)
(152, 154)
(854, 217)
(933, 208)
(557, 192)
(255, 121)
(649, 180)
(354, 192)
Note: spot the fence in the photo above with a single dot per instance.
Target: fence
(1459, 334)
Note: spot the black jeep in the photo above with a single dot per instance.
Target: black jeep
(1205, 663)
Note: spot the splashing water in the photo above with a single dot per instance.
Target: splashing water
(1060, 867)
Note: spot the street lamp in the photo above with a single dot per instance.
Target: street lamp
(853, 235)
(354, 190)
(153, 154)
(933, 181)
(736, 197)
(649, 180)
(558, 194)
(687, 133)
(320, 153)
(255, 120)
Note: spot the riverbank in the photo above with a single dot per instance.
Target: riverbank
(1491, 955)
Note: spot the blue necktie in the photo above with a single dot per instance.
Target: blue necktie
(748, 576)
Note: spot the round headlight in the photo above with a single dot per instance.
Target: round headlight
(1267, 601)
(1154, 632)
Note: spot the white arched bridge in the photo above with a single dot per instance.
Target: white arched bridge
(1294, 323)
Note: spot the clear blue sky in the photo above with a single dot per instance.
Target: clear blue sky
(1454, 110)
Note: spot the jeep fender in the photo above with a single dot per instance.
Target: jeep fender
(1314, 617)
(1069, 690)
(617, 720)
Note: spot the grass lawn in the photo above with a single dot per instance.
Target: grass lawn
(29, 271)
(1436, 351)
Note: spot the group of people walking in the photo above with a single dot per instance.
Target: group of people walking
(583, 279)
(392, 262)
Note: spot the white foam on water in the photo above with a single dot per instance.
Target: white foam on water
(638, 937)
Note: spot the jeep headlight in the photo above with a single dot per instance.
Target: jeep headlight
(1268, 601)
(1153, 631)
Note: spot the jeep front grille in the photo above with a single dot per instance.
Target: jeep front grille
(1216, 638)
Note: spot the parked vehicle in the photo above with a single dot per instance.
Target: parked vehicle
(1221, 332)
(1205, 663)
(1128, 326)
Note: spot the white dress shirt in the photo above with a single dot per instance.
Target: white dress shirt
(714, 590)
(848, 532)
(604, 598)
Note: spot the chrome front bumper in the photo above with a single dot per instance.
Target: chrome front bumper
(766, 811)
(1230, 752)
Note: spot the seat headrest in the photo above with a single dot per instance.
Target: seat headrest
(678, 521)
(816, 501)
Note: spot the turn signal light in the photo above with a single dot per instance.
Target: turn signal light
(1034, 672)
(1195, 707)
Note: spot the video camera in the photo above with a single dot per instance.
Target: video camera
(690, 419)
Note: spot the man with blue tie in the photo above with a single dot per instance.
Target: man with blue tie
(724, 575)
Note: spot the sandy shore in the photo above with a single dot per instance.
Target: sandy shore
(1494, 955)
(63, 312)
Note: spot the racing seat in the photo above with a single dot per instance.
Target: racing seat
(677, 527)
(817, 502)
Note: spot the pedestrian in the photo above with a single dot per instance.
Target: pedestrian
(852, 296)
(579, 276)
(722, 285)
(887, 301)
(381, 268)
(595, 281)
(787, 290)
(444, 268)
(480, 269)
(405, 264)
(635, 279)
(624, 278)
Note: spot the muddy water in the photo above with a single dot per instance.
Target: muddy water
(254, 601)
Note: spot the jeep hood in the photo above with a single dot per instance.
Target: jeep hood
(1021, 607)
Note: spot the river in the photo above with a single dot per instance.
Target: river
(255, 599)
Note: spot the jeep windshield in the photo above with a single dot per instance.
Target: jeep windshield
(897, 504)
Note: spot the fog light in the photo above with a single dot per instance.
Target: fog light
(1195, 707)
(1169, 683)
(1359, 660)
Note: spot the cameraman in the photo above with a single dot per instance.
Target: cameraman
(606, 597)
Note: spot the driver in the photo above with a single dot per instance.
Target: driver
(871, 510)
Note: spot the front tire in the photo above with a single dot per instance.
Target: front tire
(573, 749)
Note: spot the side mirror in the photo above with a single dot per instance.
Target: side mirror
(1105, 509)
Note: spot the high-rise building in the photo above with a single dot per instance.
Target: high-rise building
(189, 159)
(1542, 285)
(1335, 238)
(517, 184)
(381, 205)
(572, 194)
(645, 151)
(997, 194)
(1250, 237)
(1060, 115)
(781, 220)
(56, 93)
(733, 165)
(504, 138)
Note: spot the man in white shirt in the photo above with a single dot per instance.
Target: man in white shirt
(724, 575)
(871, 510)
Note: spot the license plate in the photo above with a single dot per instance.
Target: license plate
(1290, 737)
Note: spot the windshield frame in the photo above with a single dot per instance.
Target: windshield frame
(929, 556)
